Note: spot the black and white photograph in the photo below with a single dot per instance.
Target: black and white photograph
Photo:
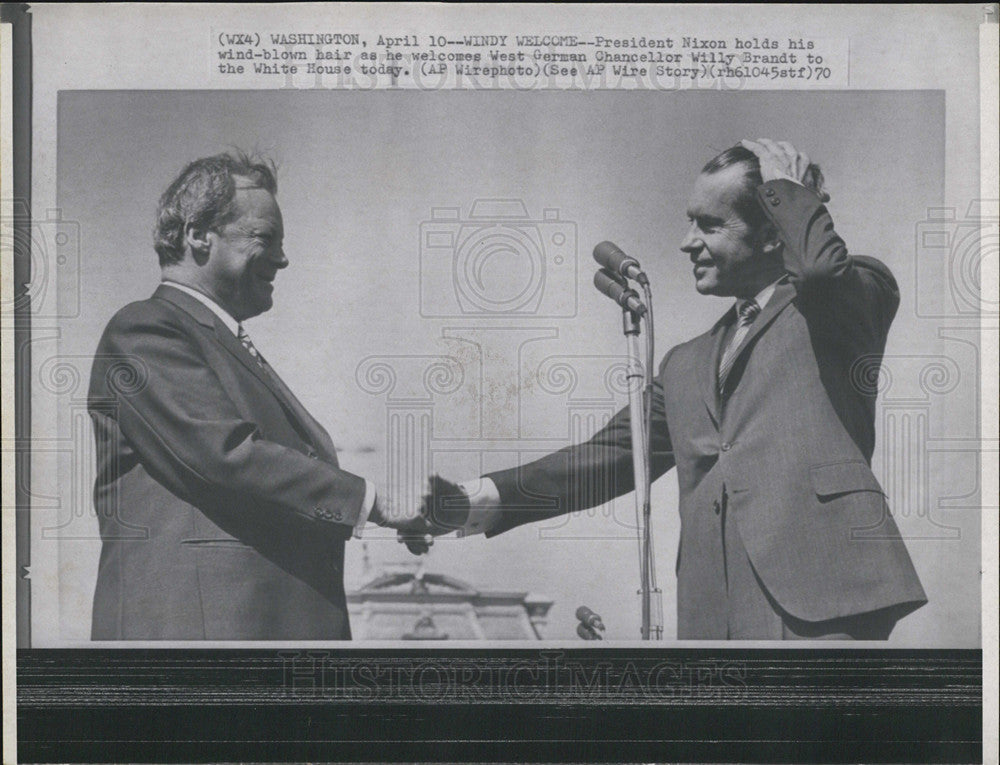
(395, 364)
(410, 294)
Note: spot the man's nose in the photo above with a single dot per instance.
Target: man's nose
(691, 243)
(281, 261)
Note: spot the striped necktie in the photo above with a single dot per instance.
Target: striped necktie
(747, 311)
(244, 338)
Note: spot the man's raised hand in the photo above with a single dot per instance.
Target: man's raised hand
(779, 159)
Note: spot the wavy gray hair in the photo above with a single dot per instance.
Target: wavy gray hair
(202, 195)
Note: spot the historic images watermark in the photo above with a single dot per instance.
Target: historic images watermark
(552, 676)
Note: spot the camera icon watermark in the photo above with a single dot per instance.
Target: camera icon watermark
(950, 252)
(51, 247)
(498, 261)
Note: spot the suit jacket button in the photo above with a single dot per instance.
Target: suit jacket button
(775, 202)
(338, 516)
(769, 192)
(726, 446)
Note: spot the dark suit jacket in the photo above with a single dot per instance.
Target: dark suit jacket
(222, 510)
(786, 451)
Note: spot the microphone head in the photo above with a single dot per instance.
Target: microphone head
(610, 283)
(607, 250)
(614, 276)
(617, 289)
(611, 257)
(582, 613)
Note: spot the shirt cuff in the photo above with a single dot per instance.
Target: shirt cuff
(484, 506)
(366, 509)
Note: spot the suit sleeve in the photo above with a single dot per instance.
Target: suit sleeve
(188, 432)
(841, 295)
(581, 476)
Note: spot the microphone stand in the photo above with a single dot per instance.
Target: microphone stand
(639, 377)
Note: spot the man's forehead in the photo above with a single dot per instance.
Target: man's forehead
(719, 190)
(255, 202)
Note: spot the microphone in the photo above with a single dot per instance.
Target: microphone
(610, 256)
(586, 633)
(611, 285)
(589, 619)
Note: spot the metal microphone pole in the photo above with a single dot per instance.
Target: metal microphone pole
(616, 268)
(637, 378)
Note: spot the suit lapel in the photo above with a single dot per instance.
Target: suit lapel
(714, 340)
(204, 316)
(311, 430)
(232, 344)
(782, 297)
(308, 427)
(317, 433)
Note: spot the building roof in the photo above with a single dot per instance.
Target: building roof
(419, 605)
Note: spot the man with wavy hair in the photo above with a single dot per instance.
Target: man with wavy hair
(769, 418)
(223, 511)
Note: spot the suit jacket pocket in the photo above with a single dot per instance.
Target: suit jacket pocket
(837, 478)
(216, 542)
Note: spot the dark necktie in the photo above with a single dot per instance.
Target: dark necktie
(244, 339)
(748, 311)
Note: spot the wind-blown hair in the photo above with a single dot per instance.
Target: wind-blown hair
(747, 205)
(202, 196)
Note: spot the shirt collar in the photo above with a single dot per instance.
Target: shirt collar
(763, 296)
(231, 324)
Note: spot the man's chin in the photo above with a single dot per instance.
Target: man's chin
(705, 287)
(261, 305)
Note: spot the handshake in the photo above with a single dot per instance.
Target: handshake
(444, 508)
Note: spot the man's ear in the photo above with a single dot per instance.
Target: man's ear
(197, 240)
